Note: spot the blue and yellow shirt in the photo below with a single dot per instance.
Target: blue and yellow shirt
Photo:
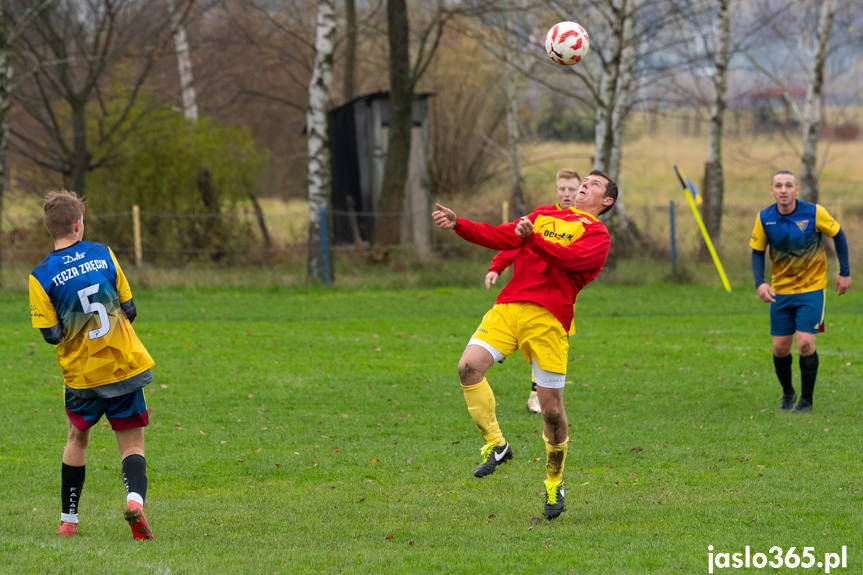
(81, 287)
(799, 263)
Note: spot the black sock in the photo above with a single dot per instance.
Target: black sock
(533, 386)
(783, 372)
(808, 373)
(72, 482)
(135, 475)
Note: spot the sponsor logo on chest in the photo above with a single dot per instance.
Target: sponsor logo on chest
(559, 231)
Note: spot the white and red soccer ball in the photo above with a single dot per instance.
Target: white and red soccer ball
(567, 43)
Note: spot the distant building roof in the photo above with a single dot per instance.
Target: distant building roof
(797, 91)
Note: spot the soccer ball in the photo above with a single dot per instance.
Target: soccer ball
(567, 43)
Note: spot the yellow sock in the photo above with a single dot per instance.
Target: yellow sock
(555, 457)
(480, 405)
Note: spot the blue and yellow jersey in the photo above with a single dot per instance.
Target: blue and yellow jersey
(799, 263)
(81, 287)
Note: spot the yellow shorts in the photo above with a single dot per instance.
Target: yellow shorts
(529, 328)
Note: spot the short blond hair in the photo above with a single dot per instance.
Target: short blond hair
(568, 174)
(62, 209)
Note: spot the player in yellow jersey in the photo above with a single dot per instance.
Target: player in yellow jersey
(793, 229)
(81, 302)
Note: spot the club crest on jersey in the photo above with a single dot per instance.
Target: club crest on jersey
(802, 225)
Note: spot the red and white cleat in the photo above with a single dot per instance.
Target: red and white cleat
(134, 514)
(67, 529)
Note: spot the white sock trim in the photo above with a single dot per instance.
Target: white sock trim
(69, 517)
(135, 497)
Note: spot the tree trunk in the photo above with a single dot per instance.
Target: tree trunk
(622, 97)
(812, 107)
(349, 84)
(388, 224)
(184, 63)
(519, 206)
(604, 139)
(319, 154)
(714, 183)
(611, 113)
(262, 223)
(8, 35)
(5, 94)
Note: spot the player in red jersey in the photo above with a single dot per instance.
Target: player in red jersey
(568, 181)
(560, 251)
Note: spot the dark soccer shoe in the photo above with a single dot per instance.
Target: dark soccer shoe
(554, 499)
(492, 456)
(803, 406)
(788, 400)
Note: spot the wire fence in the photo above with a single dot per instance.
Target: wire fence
(249, 240)
(241, 237)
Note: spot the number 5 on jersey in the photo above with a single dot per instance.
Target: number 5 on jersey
(97, 308)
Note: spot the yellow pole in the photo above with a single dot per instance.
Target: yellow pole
(505, 211)
(684, 181)
(136, 233)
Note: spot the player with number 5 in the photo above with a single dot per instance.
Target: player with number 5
(81, 302)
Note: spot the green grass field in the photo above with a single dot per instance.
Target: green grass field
(315, 431)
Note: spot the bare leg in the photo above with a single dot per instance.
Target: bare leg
(75, 452)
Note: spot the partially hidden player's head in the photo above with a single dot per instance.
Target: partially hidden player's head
(597, 193)
(784, 189)
(64, 215)
(568, 181)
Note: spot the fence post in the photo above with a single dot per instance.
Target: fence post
(673, 238)
(325, 248)
(136, 233)
(504, 210)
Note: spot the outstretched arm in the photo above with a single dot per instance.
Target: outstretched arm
(444, 217)
(500, 237)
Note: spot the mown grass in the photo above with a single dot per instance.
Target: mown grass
(306, 430)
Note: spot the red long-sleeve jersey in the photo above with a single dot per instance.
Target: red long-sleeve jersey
(565, 252)
(504, 259)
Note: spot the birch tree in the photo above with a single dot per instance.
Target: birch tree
(318, 142)
(511, 78)
(714, 180)
(190, 111)
(184, 64)
(812, 105)
(609, 91)
(11, 28)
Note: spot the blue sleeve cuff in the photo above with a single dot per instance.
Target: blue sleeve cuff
(758, 267)
(53, 334)
(841, 243)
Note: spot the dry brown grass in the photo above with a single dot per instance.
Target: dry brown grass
(648, 183)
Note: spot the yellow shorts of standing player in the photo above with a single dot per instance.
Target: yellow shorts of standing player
(526, 327)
